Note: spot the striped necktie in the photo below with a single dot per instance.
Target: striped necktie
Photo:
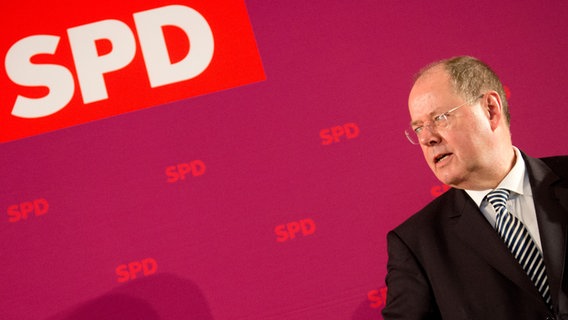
(520, 242)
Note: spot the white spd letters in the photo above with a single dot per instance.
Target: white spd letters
(160, 70)
(91, 67)
(21, 71)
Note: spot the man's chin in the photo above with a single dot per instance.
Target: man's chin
(448, 179)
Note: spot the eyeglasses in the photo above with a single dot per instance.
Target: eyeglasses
(415, 132)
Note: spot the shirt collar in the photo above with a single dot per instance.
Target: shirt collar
(513, 181)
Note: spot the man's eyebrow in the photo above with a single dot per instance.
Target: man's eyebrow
(431, 116)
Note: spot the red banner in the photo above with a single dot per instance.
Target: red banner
(74, 62)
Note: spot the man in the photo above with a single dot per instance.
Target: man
(459, 257)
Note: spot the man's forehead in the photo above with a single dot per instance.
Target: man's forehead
(435, 77)
(421, 112)
(433, 87)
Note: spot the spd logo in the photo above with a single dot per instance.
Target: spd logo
(438, 190)
(25, 210)
(288, 231)
(179, 172)
(134, 269)
(336, 134)
(377, 298)
(65, 65)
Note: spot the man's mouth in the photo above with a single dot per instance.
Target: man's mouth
(441, 157)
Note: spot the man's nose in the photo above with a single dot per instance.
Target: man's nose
(430, 136)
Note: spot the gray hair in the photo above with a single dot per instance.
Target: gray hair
(470, 77)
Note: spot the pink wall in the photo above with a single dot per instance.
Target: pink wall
(216, 245)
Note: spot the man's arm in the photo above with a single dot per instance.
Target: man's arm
(409, 295)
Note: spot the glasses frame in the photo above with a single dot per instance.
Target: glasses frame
(436, 120)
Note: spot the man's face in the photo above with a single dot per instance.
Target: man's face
(460, 154)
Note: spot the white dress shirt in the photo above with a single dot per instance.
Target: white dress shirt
(520, 203)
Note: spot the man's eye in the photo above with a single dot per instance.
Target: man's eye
(418, 129)
(439, 118)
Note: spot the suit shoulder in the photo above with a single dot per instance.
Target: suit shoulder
(432, 217)
(558, 164)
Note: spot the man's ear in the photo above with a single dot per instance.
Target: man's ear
(494, 108)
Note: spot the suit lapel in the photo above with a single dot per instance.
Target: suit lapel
(475, 231)
(551, 204)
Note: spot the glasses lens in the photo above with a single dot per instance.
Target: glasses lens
(441, 121)
(411, 135)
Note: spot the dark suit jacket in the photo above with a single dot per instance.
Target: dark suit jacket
(447, 261)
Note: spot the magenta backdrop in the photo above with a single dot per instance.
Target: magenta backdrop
(277, 220)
